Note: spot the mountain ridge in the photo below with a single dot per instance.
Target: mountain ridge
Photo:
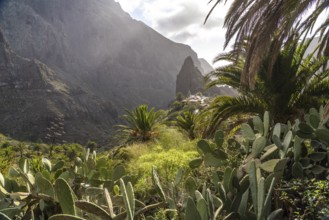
(97, 49)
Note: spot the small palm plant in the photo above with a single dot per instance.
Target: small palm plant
(186, 122)
(142, 124)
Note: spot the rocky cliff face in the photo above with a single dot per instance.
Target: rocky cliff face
(96, 60)
(98, 45)
(33, 96)
(189, 80)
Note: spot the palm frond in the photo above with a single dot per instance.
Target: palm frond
(224, 107)
(267, 26)
(141, 123)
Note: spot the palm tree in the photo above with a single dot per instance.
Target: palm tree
(141, 123)
(299, 81)
(267, 26)
(186, 121)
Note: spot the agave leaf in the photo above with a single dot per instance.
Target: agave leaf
(190, 185)
(275, 215)
(314, 121)
(202, 209)
(305, 128)
(204, 146)
(244, 184)
(266, 123)
(93, 209)
(65, 217)
(277, 130)
(219, 138)
(317, 169)
(44, 186)
(4, 216)
(286, 142)
(65, 196)
(13, 173)
(261, 198)
(157, 184)
(258, 124)
(191, 210)
(247, 132)
(269, 165)
(323, 134)
(258, 146)
(179, 177)
(118, 172)
(24, 165)
(244, 203)
(126, 200)
(2, 180)
(10, 212)
(58, 165)
(318, 156)
(270, 151)
(297, 170)
(195, 163)
(253, 184)
(232, 216)
(109, 202)
(297, 148)
(46, 163)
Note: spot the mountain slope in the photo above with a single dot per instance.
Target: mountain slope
(206, 67)
(34, 96)
(105, 60)
(98, 44)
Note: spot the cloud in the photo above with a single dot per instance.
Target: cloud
(182, 21)
(130, 6)
(177, 19)
(182, 36)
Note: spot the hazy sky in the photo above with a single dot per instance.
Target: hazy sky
(182, 21)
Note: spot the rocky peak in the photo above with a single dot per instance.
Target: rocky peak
(189, 80)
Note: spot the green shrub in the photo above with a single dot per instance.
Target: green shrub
(308, 198)
(170, 138)
(167, 163)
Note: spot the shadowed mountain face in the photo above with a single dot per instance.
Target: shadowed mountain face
(33, 97)
(92, 48)
(189, 80)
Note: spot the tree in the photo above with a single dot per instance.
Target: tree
(299, 81)
(267, 26)
(141, 123)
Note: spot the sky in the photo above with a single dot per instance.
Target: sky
(182, 21)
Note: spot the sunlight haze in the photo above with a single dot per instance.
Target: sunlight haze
(182, 21)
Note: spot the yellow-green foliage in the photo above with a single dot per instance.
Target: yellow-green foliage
(171, 138)
(166, 162)
(170, 152)
(12, 150)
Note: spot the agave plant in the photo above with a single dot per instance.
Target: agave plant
(142, 123)
(298, 81)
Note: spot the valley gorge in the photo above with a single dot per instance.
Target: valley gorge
(83, 61)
